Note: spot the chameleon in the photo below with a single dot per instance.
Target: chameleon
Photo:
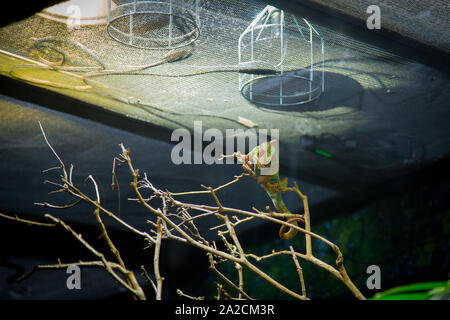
(262, 164)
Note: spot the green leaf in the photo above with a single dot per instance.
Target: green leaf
(406, 296)
(412, 290)
(438, 290)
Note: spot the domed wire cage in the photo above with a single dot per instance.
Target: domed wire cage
(69, 12)
(159, 24)
(287, 59)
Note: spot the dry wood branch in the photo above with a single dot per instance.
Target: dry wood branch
(176, 220)
(53, 150)
(236, 179)
(130, 278)
(221, 290)
(212, 266)
(234, 237)
(49, 205)
(59, 265)
(278, 214)
(149, 280)
(306, 217)
(136, 290)
(115, 182)
(182, 294)
(299, 271)
(241, 279)
(28, 222)
(159, 279)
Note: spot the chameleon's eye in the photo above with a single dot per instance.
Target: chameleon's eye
(264, 161)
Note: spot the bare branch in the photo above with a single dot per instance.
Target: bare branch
(299, 271)
(96, 188)
(180, 293)
(53, 150)
(159, 279)
(149, 280)
(59, 265)
(137, 292)
(212, 266)
(29, 222)
(241, 279)
(66, 206)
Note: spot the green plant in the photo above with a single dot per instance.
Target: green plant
(417, 291)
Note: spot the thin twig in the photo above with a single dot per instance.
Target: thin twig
(237, 179)
(60, 265)
(182, 294)
(137, 292)
(29, 222)
(212, 266)
(159, 279)
(66, 206)
(53, 150)
(241, 278)
(149, 280)
(96, 187)
(299, 271)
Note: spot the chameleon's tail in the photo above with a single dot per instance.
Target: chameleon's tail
(292, 232)
(281, 207)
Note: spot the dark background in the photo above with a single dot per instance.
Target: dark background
(400, 224)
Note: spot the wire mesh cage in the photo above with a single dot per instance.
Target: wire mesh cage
(159, 24)
(286, 55)
(76, 13)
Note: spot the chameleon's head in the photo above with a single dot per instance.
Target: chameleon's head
(264, 158)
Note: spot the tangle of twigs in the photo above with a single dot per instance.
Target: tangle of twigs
(176, 220)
